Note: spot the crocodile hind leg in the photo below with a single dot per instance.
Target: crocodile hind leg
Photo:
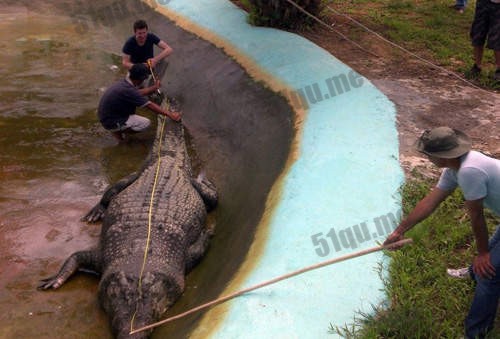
(196, 250)
(207, 191)
(82, 260)
(97, 212)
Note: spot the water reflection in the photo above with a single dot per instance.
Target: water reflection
(120, 160)
(55, 162)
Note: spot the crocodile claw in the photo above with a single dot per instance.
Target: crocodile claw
(52, 282)
(95, 214)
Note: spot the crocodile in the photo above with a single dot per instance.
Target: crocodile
(153, 233)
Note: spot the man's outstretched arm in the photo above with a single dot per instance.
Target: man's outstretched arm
(176, 116)
(150, 89)
(422, 210)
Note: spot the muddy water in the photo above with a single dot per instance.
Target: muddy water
(54, 162)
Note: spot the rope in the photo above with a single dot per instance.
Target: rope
(424, 61)
(150, 214)
(419, 58)
(272, 281)
(330, 28)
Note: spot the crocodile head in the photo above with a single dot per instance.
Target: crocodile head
(131, 306)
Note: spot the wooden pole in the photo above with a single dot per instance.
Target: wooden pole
(273, 281)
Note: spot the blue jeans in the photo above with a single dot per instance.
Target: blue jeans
(461, 3)
(483, 310)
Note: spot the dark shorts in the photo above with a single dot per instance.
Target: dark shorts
(486, 25)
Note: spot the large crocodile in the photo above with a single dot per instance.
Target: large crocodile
(153, 233)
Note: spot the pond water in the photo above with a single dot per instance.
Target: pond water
(55, 162)
(56, 159)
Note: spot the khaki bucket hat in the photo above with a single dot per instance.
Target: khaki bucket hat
(444, 142)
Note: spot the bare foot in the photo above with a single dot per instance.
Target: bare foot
(120, 136)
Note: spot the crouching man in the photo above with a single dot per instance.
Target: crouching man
(117, 106)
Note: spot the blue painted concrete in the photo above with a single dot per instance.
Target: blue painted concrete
(347, 175)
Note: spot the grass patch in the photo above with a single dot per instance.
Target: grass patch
(423, 302)
(428, 28)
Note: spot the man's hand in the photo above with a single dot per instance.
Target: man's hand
(393, 237)
(482, 263)
(421, 211)
(151, 89)
(482, 266)
(126, 62)
(151, 63)
(157, 85)
(175, 116)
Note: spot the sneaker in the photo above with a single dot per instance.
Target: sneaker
(475, 71)
(459, 9)
(459, 273)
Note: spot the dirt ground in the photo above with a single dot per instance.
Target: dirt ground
(425, 97)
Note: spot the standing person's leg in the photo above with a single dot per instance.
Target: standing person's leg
(478, 52)
(497, 60)
(494, 36)
(483, 309)
(478, 34)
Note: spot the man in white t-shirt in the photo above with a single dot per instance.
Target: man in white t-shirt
(478, 176)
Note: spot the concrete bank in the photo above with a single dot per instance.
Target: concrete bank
(337, 195)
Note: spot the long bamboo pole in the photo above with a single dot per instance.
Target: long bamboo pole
(273, 281)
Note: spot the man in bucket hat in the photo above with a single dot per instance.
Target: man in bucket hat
(478, 176)
(118, 104)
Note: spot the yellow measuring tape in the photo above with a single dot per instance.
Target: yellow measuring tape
(146, 249)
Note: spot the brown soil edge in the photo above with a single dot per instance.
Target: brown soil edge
(424, 97)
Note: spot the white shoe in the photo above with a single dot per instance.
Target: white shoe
(459, 273)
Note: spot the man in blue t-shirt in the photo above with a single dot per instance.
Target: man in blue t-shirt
(139, 48)
(117, 106)
(478, 176)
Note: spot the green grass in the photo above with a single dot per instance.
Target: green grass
(422, 301)
(426, 27)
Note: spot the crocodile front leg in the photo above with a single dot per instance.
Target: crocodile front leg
(207, 191)
(83, 260)
(197, 249)
(97, 212)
